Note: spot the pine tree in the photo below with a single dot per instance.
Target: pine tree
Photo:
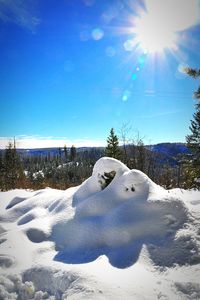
(72, 153)
(141, 156)
(13, 169)
(1, 171)
(65, 153)
(193, 139)
(60, 154)
(112, 149)
(195, 73)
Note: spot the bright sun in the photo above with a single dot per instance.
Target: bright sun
(152, 35)
(156, 27)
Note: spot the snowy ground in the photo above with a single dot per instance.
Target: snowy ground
(122, 239)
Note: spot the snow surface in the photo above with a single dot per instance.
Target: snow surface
(116, 236)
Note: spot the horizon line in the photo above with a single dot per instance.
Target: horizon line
(38, 142)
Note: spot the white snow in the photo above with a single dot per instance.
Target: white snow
(38, 174)
(197, 180)
(70, 163)
(116, 236)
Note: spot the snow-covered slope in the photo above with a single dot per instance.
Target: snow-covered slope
(116, 236)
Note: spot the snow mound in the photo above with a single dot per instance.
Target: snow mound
(114, 215)
(46, 283)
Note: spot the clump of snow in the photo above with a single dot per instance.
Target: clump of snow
(38, 174)
(70, 163)
(188, 289)
(106, 222)
(197, 180)
(44, 283)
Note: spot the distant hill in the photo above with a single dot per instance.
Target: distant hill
(167, 148)
(171, 149)
(167, 152)
(50, 151)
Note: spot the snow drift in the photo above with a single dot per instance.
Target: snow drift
(115, 216)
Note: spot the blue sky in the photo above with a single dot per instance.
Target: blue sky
(72, 69)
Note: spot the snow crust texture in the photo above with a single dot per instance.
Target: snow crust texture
(116, 213)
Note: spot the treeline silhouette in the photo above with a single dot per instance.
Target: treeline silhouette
(67, 167)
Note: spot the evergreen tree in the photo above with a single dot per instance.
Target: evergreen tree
(195, 73)
(65, 153)
(141, 153)
(13, 170)
(112, 149)
(72, 153)
(60, 154)
(193, 139)
(1, 171)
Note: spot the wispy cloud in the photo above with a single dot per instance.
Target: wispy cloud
(36, 141)
(161, 114)
(20, 12)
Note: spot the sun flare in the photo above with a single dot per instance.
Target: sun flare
(154, 36)
(157, 26)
